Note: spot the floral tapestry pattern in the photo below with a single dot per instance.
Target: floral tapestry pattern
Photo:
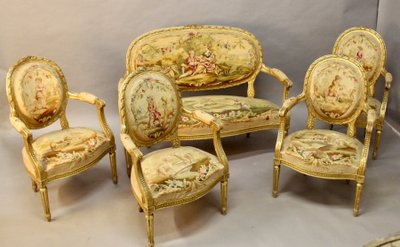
(152, 107)
(323, 148)
(335, 90)
(197, 58)
(364, 49)
(42, 94)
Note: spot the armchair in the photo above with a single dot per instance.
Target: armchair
(38, 95)
(335, 91)
(367, 47)
(150, 109)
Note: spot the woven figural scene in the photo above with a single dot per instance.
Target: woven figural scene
(204, 58)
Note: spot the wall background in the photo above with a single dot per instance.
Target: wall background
(88, 39)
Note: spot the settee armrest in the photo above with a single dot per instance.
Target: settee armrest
(281, 77)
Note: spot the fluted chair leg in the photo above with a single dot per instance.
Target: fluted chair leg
(277, 168)
(34, 186)
(45, 202)
(150, 228)
(113, 164)
(224, 197)
(357, 199)
(378, 135)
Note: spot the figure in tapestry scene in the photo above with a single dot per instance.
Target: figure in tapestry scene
(44, 101)
(202, 64)
(336, 99)
(154, 114)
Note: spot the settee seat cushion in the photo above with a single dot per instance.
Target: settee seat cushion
(238, 115)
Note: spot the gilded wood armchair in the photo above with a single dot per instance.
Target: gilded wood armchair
(367, 47)
(38, 96)
(335, 91)
(150, 108)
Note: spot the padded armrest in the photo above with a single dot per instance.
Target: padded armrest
(388, 78)
(289, 103)
(278, 74)
(207, 119)
(130, 146)
(20, 127)
(87, 97)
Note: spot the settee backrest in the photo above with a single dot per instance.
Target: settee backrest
(198, 57)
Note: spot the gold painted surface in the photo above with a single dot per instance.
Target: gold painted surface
(65, 150)
(236, 113)
(325, 153)
(199, 57)
(206, 58)
(172, 176)
(38, 95)
(367, 47)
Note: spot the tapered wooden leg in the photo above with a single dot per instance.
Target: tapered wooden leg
(247, 135)
(331, 127)
(113, 164)
(150, 229)
(277, 168)
(224, 197)
(128, 162)
(45, 202)
(357, 199)
(378, 135)
(34, 186)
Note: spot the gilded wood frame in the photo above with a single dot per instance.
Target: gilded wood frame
(379, 71)
(41, 178)
(134, 156)
(359, 176)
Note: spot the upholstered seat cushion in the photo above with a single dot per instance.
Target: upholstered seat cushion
(66, 151)
(324, 151)
(373, 104)
(236, 113)
(175, 173)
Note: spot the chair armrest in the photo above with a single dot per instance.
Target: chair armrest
(137, 155)
(27, 135)
(131, 147)
(289, 103)
(87, 97)
(388, 78)
(21, 128)
(217, 126)
(371, 118)
(100, 104)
